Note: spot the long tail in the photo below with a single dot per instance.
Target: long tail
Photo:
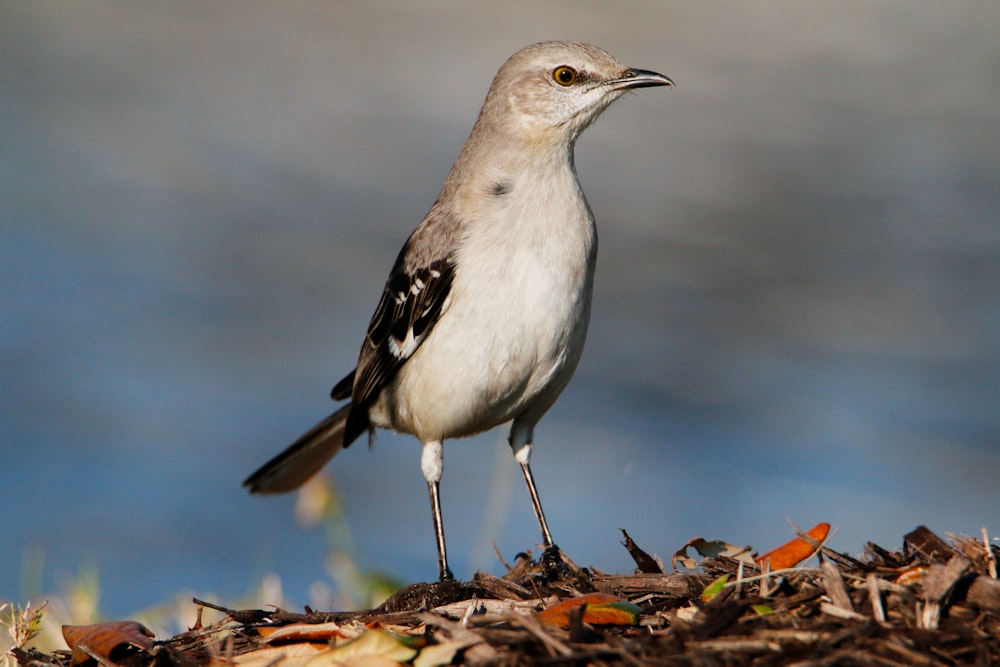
(303, 458)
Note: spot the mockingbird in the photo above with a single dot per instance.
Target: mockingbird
(485, 312)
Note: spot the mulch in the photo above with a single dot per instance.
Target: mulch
(932, 602)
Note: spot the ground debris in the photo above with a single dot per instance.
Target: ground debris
(934, 602)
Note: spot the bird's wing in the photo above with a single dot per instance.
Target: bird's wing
(416, 295)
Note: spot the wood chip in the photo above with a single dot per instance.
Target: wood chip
(833, 583)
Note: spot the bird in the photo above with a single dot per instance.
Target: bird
(485, 311)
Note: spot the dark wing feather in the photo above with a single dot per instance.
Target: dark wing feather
(343, 389)
(415, 296)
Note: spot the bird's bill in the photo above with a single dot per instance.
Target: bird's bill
(640, 78)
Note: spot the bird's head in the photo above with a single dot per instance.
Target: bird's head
(559, 88)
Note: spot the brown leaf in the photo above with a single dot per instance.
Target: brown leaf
(928, 545)
(303, 632)
(111, 640)
(292, 655)
(709, 549)
(646, 563)
(373, 647)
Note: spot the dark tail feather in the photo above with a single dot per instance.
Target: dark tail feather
(303, 458)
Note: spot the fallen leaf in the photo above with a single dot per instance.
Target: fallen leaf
(687, 613)
(292, 655)
(370, 661)
(928, 545)
(796, 550)
(709, 549)
(410, 635)
(303, 632)
(912, 575)
(444, 653)
(599, 609)
(372, 644)
(111, 640)
(643, 561)
(714, 588)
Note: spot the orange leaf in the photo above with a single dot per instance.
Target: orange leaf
(111, 640)
(599, 609)
(912, 575)
(797, 550)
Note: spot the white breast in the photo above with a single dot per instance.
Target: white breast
(516, 324)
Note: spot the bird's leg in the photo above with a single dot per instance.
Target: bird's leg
(520, 442)
(551, 561)
(444, 572)
(536, 504)
(520, 439)
(432, 465)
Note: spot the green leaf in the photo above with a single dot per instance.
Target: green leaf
(714, 588)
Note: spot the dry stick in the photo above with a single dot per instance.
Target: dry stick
(467, 615)
(875, 595)
(938, 584)
(197, 619)
(492, 607)
(984, 593)
(535, 628)
(786, 635)
(230, 647)
(499, 555)
(991, 559)
(834, 585)
(840, 612)
(102, 660)
(767, 575)
(736, 644)
(475, 646)
(913, 658)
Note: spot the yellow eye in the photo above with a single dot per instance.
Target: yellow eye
(564, 75)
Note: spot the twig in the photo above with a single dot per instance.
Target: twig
(840, 612)
(530, 624)
(938, 585)
(462, 609)
(875, 595)
(991, 558)
(833, 583)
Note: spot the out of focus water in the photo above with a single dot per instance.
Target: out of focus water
(797, 315)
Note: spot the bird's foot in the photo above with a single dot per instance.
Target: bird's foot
(553, 565)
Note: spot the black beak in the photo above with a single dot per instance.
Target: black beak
(639, 78)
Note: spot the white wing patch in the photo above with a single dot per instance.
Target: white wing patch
(402, 349)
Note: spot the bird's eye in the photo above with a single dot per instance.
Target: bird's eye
(564, 75)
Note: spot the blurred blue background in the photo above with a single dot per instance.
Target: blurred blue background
(797, 310)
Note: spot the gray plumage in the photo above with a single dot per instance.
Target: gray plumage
(485, 312)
